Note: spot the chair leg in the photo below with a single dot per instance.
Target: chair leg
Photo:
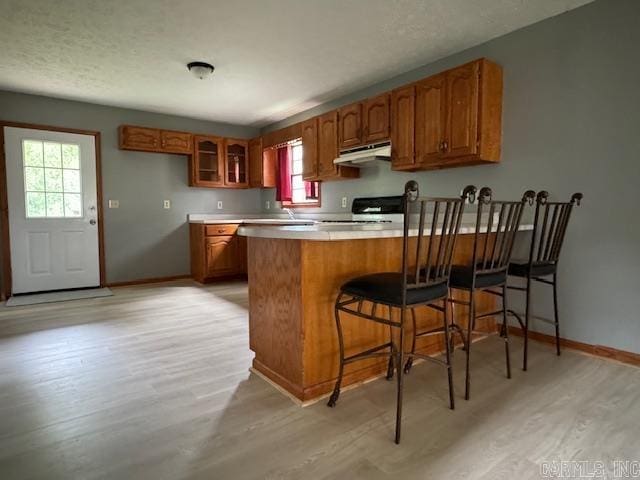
(400, 372)
(505, 329)
(392, 353)
(336, 390)
(470, 322)
(555, 311)
(407, 366)
(448, 355)
(525, 334)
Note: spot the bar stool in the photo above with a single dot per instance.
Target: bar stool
(423, 284)
(544, 252)
(492, 249)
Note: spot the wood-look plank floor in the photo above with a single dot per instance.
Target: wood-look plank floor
(154, 383)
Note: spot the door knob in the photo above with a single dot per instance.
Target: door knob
(92, 222)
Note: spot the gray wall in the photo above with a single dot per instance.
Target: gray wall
(571, 122)
(142, 240)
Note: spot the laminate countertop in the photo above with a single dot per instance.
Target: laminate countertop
(324, 232)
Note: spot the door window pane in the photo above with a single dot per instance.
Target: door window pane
(36, 205)
(55, 206)
(72, 205)
(71, 181)
(34, 179)
(52, 157)
(32, 153)
(52, 179)
(71, 156)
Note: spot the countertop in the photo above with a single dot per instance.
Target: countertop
(323, 232)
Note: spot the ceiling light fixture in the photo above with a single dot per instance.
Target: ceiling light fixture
(200, 70)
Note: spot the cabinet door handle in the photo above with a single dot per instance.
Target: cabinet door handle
(444, 146)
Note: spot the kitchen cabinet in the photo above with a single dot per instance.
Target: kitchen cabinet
(310, 149)
(216, 252)
(350, 126)
(364, 122)
(430, 118)
(457, 119)
(262, 165)
(236, 163)
(206, 167)
(176, 142)
(402, 127)
(154, 140)
(328, 150)
(375, 119)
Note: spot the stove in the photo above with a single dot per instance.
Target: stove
(373, 210)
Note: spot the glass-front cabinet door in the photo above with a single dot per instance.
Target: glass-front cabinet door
(208, 162)
(236, 163)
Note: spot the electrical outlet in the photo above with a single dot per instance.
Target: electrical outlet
(114, 203)
(167, 204)
(219, 204)
(344, 202)
(267, 204)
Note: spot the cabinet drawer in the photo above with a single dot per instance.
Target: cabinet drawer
(213, 230)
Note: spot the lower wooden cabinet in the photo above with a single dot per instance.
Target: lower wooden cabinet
(217, 252)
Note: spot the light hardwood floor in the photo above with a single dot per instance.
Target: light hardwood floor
(154, 383)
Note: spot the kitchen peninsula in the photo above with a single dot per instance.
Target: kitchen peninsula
(294, 277)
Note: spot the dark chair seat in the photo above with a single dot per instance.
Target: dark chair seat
(462, 277)
(520, 268)
(387, 288)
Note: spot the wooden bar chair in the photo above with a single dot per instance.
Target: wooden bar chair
(549, 227)
(492, 248)
(423, 284)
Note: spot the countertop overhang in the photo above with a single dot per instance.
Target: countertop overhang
(320, 232)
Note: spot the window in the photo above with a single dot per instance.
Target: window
(302, 193)
(52, 180)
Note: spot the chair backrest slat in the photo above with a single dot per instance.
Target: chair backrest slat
(550, 227)
(434, 267)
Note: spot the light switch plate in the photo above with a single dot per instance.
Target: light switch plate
(267, 204)
(114, 203)
(167, 204)
(219, 204)
(344, 202)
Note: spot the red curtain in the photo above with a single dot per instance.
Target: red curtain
(311, 190)
(283, 179)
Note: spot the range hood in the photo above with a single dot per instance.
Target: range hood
(364, 156)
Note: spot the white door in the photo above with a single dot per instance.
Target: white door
(53, 227)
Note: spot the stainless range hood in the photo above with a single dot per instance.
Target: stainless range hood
(365, 156)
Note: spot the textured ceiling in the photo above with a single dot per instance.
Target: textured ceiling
(273, 58)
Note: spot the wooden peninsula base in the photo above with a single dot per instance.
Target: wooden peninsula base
(293, 285)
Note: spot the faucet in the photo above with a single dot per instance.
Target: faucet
(290, 213)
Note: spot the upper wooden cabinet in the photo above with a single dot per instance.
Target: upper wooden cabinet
(364, 122)
(206, 168)
(375, 119)
(402, 127)
(262, 165)
(350, 126)
(430, 118)
(328, 150)
(310, 149)
(154, 140)
(176, 142)
(327, 144)
(456, 119)
(236, 163)
(461, 137)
